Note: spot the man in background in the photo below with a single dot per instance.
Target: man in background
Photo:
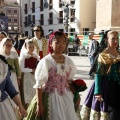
(91, 52)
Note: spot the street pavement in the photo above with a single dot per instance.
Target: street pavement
(83, 66)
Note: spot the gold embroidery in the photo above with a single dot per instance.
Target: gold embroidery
(44, 46)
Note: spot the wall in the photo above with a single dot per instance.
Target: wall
(88, 14)
(103, 14)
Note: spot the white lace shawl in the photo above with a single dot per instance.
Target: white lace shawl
(41, 73)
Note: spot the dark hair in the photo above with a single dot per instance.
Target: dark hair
(41, 29)
(4, 33)
(53, 36)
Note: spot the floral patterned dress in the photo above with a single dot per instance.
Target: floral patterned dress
(57, 97)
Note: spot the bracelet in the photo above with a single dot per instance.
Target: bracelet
(18, 77)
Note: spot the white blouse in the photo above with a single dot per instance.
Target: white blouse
(43, 67)
(39, 41)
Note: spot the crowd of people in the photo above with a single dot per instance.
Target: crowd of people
(36, 73)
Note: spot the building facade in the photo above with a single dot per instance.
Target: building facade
(11, 9)
(52, 15)
(87, 16)
(108, 15)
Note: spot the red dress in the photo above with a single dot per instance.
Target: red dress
(41, 54)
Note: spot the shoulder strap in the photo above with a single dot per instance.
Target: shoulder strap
(3, 59)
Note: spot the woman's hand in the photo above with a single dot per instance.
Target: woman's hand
(99, 97)
(23, 112)
(77, 104)
(39, 110)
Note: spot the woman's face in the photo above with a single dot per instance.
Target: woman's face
(59, 45)
(37, 32)
(30, 47)
(113, 40)
(7, 46)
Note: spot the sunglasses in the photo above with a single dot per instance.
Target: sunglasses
(36, 30)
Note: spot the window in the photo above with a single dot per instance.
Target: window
(85, 31)
(61, 30)
(41, 5)
(60, 3)
(33, 19)
(15, 20)
(26, 33)
(42, 19)
(72, 2)
(50, 30)
(33, 7)
(16, 29)
(29, 20)
(9, 11)
(60, 17)
(50, 20)
(50, 4)
(15, 11)
(9, 28)
(25, 23)
(72, 14)
(72, 31)
(25, 9)
(9, 20)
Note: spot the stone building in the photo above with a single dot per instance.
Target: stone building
(11, 9)
(107, 15)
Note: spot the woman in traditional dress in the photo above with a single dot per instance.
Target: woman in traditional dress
(54, 99)
(41, 44)
(8, 51)
(103, 99)
(7, 88)
(28, 61)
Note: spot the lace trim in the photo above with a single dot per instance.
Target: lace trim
(89, 114)
(49, 107)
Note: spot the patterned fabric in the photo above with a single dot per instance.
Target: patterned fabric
(44, 46)
(33, 105)
(89, 114)
(56, 81)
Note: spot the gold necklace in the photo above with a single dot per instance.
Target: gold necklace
(58, 59)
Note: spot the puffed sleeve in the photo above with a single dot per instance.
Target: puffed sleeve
(73, 68)
(41, 73)
(9, 88)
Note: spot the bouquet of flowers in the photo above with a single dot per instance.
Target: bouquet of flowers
(77, 86)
